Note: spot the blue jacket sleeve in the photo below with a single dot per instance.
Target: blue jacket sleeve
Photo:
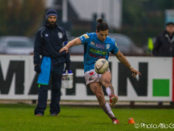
(68, 61)
(156, 47)
(37, 44)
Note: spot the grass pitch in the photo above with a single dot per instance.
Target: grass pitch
(19, 117)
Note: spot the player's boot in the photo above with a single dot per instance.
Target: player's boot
(113, 100)
(115, 121)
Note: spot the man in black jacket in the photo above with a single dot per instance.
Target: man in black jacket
(164, 44)
(49, 63)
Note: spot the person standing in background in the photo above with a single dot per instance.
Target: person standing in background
(164, 44)
(49, 63)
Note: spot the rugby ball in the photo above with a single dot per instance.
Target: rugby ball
(101, 66)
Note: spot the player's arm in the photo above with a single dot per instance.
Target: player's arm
(123, 60)
(71, 43)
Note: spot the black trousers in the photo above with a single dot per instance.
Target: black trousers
(56, 78)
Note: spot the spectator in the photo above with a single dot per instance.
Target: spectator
(49, 40)
(164, 44)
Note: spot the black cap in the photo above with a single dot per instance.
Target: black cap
(50, 12)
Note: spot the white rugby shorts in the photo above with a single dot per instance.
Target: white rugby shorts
(92, 76)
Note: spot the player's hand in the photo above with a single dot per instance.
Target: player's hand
(63, 49)
(134, 72)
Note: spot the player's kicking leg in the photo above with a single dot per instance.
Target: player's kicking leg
(98, 91)
(106, 82)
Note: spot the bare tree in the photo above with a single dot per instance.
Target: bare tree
(20, 17)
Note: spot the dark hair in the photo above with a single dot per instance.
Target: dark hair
(169, 23)
(101, 26)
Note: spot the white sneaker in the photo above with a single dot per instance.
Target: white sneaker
(115, 121)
